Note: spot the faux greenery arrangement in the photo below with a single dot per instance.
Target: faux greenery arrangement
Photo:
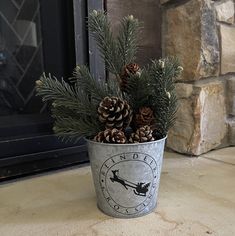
(135, 105)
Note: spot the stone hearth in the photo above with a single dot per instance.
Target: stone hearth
(202, 34)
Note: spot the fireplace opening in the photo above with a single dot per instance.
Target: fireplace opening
(36, 36)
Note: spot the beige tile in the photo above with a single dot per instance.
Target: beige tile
(226, 155)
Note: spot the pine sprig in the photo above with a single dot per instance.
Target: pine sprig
(61, 93)
(86, 82)
(71, 128)
(100, 29)
(72, 124)
(116, 52)
(97, 89)
(50, 89)
(155, 88)
(138, 90)
(70, 104)
(127, 40)
(163, 96)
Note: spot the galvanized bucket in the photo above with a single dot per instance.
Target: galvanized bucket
(126, 176)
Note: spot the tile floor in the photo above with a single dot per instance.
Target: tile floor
(197, 197)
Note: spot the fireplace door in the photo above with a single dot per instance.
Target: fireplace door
(39, 36)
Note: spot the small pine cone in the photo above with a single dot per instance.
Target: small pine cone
(143, 117)
(156, 134)
(143, 134)
(114, 113)
(111, 136)
(129, 69)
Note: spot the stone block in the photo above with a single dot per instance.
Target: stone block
(231, 84)
(164, 1)
(200, 124)
(231, 96)
(225, 11)
(184, 90)
(180, 135)
(231, 131)
(227, 34)
(190, 32)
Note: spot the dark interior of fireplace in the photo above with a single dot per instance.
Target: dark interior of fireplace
(34, 38)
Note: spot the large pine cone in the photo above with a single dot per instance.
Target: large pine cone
(114, 113)
(127, 70)
(143, 134)
(110, 136)
(143, 117)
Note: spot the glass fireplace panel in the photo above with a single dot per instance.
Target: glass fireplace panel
(21, 56)
(35, 36)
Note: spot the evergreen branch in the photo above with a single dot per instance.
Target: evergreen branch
(164, 100)
(97, 89)
(138, 90)
(51, 89)
(127, 39)
(86, 82)
(113, 88)
(70, 128)
(76, 123)
(70, 105)
(155, 88)
(62, 94)
(99, 27)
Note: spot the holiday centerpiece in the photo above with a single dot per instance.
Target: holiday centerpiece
(125, 118)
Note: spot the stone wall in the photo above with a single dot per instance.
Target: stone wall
(202, 34)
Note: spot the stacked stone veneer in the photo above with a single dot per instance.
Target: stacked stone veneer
(202, 34)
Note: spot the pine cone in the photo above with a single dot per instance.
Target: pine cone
(143, 117)
(114, 113)
(156, 134)
(129, 69)
(110, 136)
(143, 134)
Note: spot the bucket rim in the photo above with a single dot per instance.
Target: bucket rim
(125, 144)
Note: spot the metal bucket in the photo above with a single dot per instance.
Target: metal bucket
(126, 176)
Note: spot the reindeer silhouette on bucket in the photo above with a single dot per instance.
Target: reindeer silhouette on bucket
(140, 188)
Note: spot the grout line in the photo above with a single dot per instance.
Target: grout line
(212, 159)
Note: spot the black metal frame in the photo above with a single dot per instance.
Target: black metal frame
(27, 144)
(58, 38)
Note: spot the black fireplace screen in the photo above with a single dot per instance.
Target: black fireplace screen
(39, 36)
